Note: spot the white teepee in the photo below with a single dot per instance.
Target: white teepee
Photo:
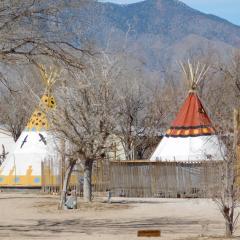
(22, 168)
(191, 137)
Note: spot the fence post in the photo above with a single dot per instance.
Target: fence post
(43, 176)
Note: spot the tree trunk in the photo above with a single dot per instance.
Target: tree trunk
(87, 183)
(65, 184)
(229, 229)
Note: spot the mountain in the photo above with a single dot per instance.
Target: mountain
(157, 32)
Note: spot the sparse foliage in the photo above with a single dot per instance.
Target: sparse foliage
(33, 29)
(85, 116)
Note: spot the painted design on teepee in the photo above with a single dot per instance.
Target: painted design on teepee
(38, 120)
(192, 120)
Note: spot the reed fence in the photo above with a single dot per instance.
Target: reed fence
(140, 178)
(165, 179)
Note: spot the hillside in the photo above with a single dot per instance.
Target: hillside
(159, 31)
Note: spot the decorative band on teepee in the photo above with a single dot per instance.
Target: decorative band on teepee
(191, 132)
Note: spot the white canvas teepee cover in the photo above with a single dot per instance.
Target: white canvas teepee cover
(23, 165)
(191, 136)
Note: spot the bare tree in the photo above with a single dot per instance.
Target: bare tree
(229, 195)
(15, 113)
(17, 105)
(159, 111)
(228, 129)
(85, 116)
(34, 29)
(130, 122)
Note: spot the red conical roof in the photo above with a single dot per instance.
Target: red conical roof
(192, 120)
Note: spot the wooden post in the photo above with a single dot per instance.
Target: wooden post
(62, 165)
(236, 144)
(115, 152)
(42, 176)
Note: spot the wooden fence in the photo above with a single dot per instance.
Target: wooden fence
(165, 179)
(141, 178)
(53, 176)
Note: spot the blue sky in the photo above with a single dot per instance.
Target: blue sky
(228, 9)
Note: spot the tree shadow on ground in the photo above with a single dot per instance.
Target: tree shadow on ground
(107, 226)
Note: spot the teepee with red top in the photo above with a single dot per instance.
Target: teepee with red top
(191, 136)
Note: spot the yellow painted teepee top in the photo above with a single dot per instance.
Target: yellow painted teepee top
(38, 120)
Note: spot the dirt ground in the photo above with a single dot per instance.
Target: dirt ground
(35, 216)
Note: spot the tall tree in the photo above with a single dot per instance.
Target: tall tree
(84, 118)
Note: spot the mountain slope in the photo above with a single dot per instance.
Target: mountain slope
(171, 20)
(159, 31)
